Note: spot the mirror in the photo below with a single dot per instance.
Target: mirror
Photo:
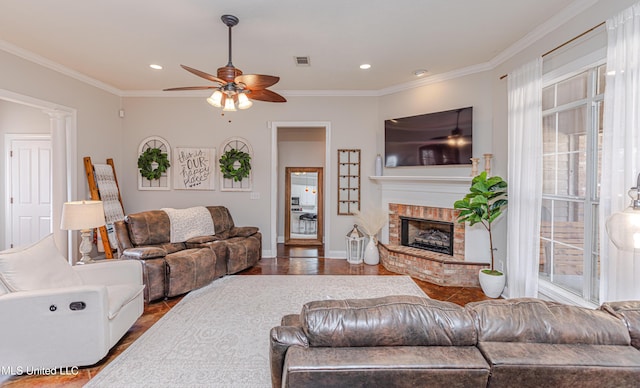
(303, 206)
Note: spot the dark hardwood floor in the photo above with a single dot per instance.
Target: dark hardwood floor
(290, 261)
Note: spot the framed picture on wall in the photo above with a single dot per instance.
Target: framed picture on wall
(194, 168)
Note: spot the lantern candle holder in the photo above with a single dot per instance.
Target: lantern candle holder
(355, 240)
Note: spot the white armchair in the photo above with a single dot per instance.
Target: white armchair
(54, 315)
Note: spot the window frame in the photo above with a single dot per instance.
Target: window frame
(590, 201)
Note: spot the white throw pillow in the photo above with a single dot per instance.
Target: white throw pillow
(36, 267)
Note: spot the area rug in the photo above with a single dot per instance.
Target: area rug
(218, 336)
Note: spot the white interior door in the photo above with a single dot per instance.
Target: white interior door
(29, 189)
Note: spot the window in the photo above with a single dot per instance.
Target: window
(572, 143)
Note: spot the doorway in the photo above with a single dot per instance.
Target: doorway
(304, 206)
(63, 132)
(297, 143)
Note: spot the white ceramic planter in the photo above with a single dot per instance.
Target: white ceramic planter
(492, 285)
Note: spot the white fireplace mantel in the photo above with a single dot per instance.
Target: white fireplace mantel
(421, 179)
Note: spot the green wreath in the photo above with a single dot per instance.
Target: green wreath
(149, 156)
(228, 168)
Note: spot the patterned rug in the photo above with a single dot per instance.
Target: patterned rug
(218, 336)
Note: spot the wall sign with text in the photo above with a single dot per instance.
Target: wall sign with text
(194, 168)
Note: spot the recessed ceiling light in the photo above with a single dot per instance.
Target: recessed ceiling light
(365, 66)
(420, 72)
(155, 67)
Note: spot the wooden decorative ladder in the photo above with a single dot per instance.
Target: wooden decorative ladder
(111, 197)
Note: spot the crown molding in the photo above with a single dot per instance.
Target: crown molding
(286, 93)
(479, 68)
(573, 9)
(42, 61)
(557, 20)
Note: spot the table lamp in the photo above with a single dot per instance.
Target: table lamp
(83, 216)
(623, 227)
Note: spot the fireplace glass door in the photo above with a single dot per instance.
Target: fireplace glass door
(430, 235)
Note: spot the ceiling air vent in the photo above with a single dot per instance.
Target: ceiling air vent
(302, 61)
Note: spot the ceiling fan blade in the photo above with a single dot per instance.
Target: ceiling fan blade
(257, 81)
(191, 88)
(266, 95)
(204, 75)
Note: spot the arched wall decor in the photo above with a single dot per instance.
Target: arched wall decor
(235, 150)
(163, 182)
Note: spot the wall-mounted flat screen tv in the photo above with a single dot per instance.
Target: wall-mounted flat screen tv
(433, 139)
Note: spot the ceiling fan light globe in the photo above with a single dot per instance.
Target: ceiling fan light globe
(244, 102)
(229, 105)
(216, 99)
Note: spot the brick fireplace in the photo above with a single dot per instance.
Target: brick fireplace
(427, 199)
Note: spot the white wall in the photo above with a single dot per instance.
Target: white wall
(99, 127)
(472, 90)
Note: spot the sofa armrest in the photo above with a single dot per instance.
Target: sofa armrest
(40, 327)
(629, 313)
(122, 236)
(144, 253)
(281, 338)
(111, 272)
(243, 231)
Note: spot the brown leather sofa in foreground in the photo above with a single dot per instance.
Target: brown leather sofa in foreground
(408, 341)
(174, 268)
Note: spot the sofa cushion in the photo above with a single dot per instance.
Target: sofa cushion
(242, 252)
(189, 269)
(196, 242)
(516, 364)
(149, 227)
(397, 320)
(38, 266)
(121, 294)
(392, 366)
(221, 217)
(629, 312)
(536, 320)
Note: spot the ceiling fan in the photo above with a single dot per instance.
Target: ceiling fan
(234, 89)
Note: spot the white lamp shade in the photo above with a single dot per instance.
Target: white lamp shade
(216, 99)
(623, 229)
(229, 105)
(244, 102)
(81, 215)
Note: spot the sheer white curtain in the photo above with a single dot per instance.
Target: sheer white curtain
(525, 178)
(620, 273)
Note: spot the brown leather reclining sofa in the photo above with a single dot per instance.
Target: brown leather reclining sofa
(172, 269)
(408, 341)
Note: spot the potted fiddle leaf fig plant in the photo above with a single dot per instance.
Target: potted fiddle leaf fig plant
(485, 202)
